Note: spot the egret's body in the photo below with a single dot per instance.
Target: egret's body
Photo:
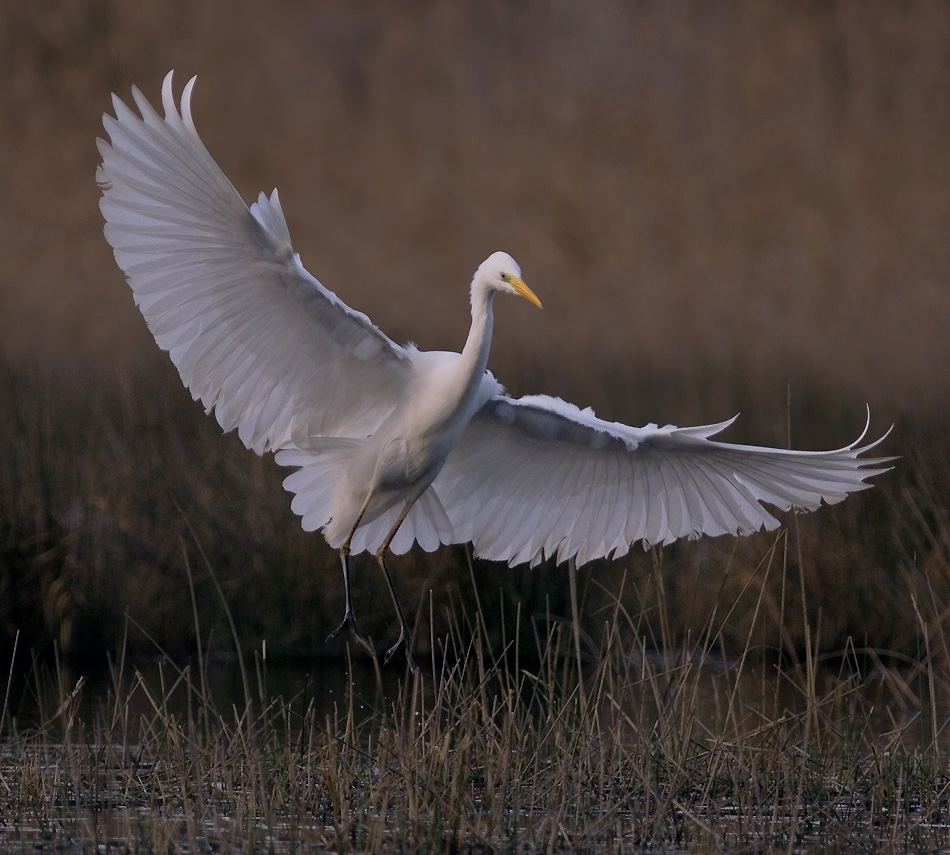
(401, 459)
(394, 446)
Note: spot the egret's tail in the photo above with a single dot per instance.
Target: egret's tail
(426, 524)
(322, 466)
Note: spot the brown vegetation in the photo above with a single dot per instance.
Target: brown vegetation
(724, 208)
(643, 752)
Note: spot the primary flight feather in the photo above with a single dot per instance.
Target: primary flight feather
(392, 445)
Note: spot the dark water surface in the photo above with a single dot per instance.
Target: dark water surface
(175, 688)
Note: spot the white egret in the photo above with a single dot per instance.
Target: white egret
(392, 445)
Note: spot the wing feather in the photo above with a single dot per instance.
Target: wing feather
(566, 509)
(586, 502)
(537, 538)
(535, 477)
(254, 336)
(656, 503)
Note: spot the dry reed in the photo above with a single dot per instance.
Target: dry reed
(640, 750)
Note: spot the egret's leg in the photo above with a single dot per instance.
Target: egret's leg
(349, 615)
(405, 634)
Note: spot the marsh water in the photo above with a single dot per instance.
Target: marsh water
(696, 702)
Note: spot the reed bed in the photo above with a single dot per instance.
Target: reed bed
(624, 749)
(786, 691)
(110, 501)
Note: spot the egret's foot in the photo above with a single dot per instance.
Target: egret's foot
(404, 642)
(348, 623)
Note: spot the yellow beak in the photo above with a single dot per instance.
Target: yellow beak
(524, 290)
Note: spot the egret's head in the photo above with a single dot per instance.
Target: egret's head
(500, 272)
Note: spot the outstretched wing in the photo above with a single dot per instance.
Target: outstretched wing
(252, 333)
(537, 477)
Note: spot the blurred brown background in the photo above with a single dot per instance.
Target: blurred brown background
(688, 184)
(723, 206)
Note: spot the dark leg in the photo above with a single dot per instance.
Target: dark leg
(405, 634)
(349, 615)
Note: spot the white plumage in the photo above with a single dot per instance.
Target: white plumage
(395, 446)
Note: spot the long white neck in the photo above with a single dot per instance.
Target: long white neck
(475, 353)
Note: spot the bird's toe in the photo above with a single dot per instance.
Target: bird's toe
(404, 643)
(348, 623)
